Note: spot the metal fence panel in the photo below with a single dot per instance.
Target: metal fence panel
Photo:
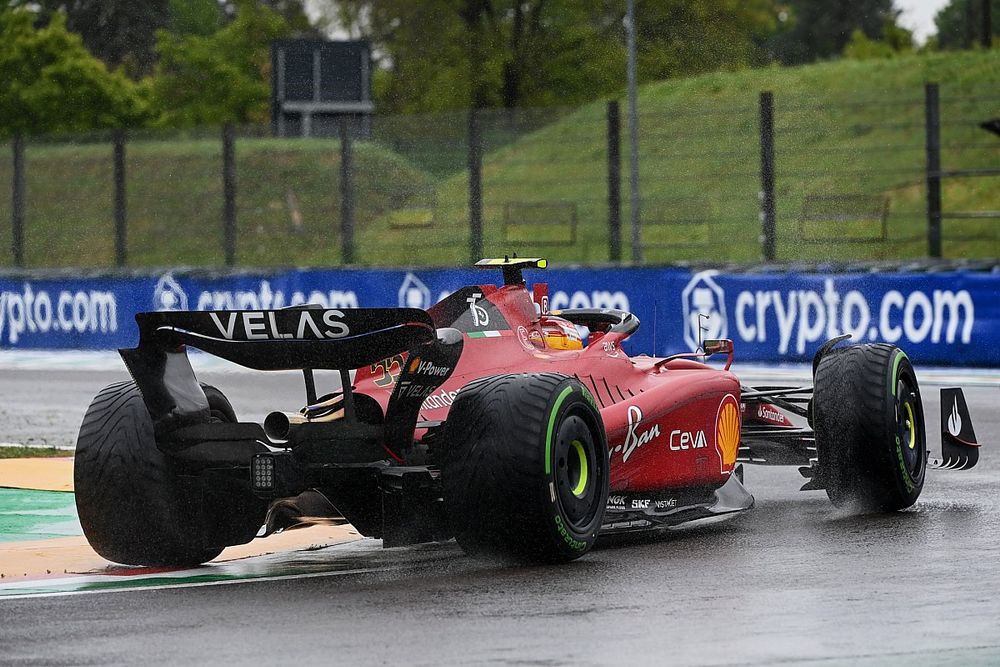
(970, 162)
(68, 217)
(851, 175)
(699, 180)
(545, 183)
(287, 201)
(850, 185)
(175, 198)
(410, 214)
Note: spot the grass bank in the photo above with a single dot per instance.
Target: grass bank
(845, 131)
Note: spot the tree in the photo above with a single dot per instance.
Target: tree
(119, 32)
(292, 11)
(960, 23)
(897, 40)
(49, 82)
(441, 54)
(224, 77)
(821, 29)
(123, 32)
(194, 17)
(680, 38)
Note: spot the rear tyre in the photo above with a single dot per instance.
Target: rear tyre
(869, 424)
(525, 469)
(133, 505)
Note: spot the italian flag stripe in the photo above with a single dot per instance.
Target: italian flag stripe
(489, 334)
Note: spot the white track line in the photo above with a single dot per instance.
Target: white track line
(37, 446)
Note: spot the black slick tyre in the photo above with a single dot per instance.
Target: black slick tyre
(525, 469)
(134, 507)
(869, 425)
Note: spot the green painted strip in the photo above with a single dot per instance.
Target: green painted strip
(552, 422)
(37, 515)
(895, 368)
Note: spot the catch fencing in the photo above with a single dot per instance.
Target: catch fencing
(765, 177)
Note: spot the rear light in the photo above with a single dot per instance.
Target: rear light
(262, 473)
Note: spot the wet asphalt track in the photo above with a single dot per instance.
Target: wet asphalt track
(794, 580)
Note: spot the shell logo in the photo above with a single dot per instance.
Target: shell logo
(727, 431)
(414, 364)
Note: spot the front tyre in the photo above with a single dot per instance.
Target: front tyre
(869, 424)
(525, 469)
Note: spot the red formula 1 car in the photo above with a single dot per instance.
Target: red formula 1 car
(522, 433)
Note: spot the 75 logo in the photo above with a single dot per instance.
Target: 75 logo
(480, 317)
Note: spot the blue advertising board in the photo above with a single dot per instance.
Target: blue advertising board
(948, 318)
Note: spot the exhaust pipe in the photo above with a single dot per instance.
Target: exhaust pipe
(278, 425)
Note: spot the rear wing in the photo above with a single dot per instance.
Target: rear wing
(292, 338)
(304, 338)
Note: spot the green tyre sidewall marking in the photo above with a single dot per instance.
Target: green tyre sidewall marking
(552, 422)
(575, 544)
(500, 501)
(900, 355)
(564, 531)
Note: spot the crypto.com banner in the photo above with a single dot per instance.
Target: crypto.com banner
(938, 318)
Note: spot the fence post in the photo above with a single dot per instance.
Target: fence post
(767, 203)
(614, 183)
(475, 186)
(121, 247)
(635, 198)
(932, 116)
(229, 193)
(17, 202)
(346, 194)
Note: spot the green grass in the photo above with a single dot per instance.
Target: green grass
(843, 128)
(288, 201)
(18, 452)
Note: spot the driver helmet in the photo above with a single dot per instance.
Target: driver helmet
(561, 334)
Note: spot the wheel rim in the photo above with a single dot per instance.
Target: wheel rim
(578, 467)
(577, 472)
(908, 435)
